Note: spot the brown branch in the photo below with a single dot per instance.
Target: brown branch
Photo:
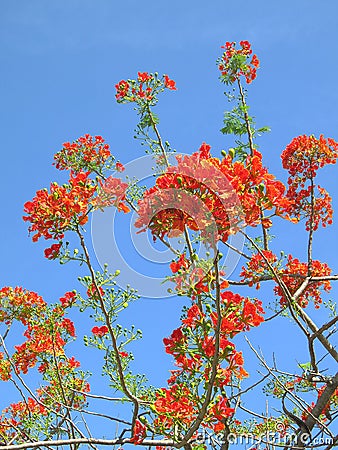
(246, 118)
(325, 327)
(249, 282)
(311, 230)
(313, 327)
(322, 402)
(252, 413)
(295, 399)
(316, 411)
(237, 250)
(111, 331)
(214, 364)
(279, 281)
(102, 397)
(251, 145)
(325, 278)
(312, 355)
(159, 139)
(63, 394)
(292, 303)
(264, 231)
(93, 441)
(301, 289)
(244, 391)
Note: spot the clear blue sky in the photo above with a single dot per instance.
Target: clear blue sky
(60, 61)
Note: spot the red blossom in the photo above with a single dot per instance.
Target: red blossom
(94, 291)
(206, 194)
(68, 299)
(293, 276)
(73, 363)
(53, 251)
(258, 266)
(302, 158)
(112, 193)
(68, 325)
(122, 88)
(100, 331)
(5, 368)
(86, 154)
(181, 263)
(144, 90)
(219, 412)
(143, 77)
(139, 433)
(174, 343)
(119, 167)
(52, 213)
(21, 304)
(174, 404)
(235, 63)
(194, 315)
(170, 84)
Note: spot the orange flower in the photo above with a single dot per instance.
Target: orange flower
(100, 331)
(52, 213)
(235, 63)
(86, 154)
(302, 158)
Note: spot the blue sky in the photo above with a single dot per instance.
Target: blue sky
(60, 61)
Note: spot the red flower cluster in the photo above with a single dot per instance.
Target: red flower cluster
(47, 330)
(20, 304)
(191, 279)
(175, 343)
(53, 251)
(52, 396)
(119, 167)
(181, 263)
(256, 188)
(302, 158)
(93, 293)
(193, 346)
(100, 331)
(194, 316)
(306, 154)
(86, 154)
(68, 299)
(5, 367)
(239, 314)
(235, 63)
(170, 84)
(52, 213)
(24, 409)
(112, 192)
(219, 412)
(257, 267)
(144, 89)
(195, 194)
(174, 405)
(206, 194)
(139, 433)
(293, 276)
(47, 338)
